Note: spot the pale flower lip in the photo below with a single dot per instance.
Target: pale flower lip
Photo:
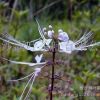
(63, 36)
(38, 58)
(37, 70)
(67, 47)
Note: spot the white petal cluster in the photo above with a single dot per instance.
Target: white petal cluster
(43, 44)
(68, 46)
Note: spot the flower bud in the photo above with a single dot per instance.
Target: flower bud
(45, 33)
(44, 29)
(60, 31)
(50, 26)
(50, 34)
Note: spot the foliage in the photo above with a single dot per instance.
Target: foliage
(82, 68)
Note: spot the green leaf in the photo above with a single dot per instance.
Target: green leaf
(80, 79)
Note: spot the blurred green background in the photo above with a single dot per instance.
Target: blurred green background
(17, 17)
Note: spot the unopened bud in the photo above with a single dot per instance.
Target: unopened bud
(50, 34)
(50, 26)
(44, 29)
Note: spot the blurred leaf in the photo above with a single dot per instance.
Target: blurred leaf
(3, 5)
(80, 79)
(20, 14)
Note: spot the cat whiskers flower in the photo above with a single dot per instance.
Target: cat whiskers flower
(38, 67)
(67, 46)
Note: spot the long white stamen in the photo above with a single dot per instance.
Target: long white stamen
(84, 38)
(29, 91)
(34, 40)
(40, 30)
(26, 87)
(22, 45)
(85, 34)
(10, 42)
(91, 45)
(21, 78)
(9, 37)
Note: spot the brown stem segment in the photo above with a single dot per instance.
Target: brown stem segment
(52, 79)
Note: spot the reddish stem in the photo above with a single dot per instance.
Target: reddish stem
(52, 79)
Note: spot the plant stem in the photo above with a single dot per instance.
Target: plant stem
(52, 79)
(84, 88)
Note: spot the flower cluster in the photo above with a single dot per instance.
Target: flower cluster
(44, 43)
(37, 69)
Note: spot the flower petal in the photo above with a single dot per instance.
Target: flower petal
(39, 45)
(63, 36)
(38, 58)
(67, 47)
(25, 63)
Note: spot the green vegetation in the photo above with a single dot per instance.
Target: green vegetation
(82, 68)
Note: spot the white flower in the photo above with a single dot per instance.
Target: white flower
(38, 58)
(79, 45)
(43, 44)
(63, 36)
(67, 47)
(50, 26)
(39, 45)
